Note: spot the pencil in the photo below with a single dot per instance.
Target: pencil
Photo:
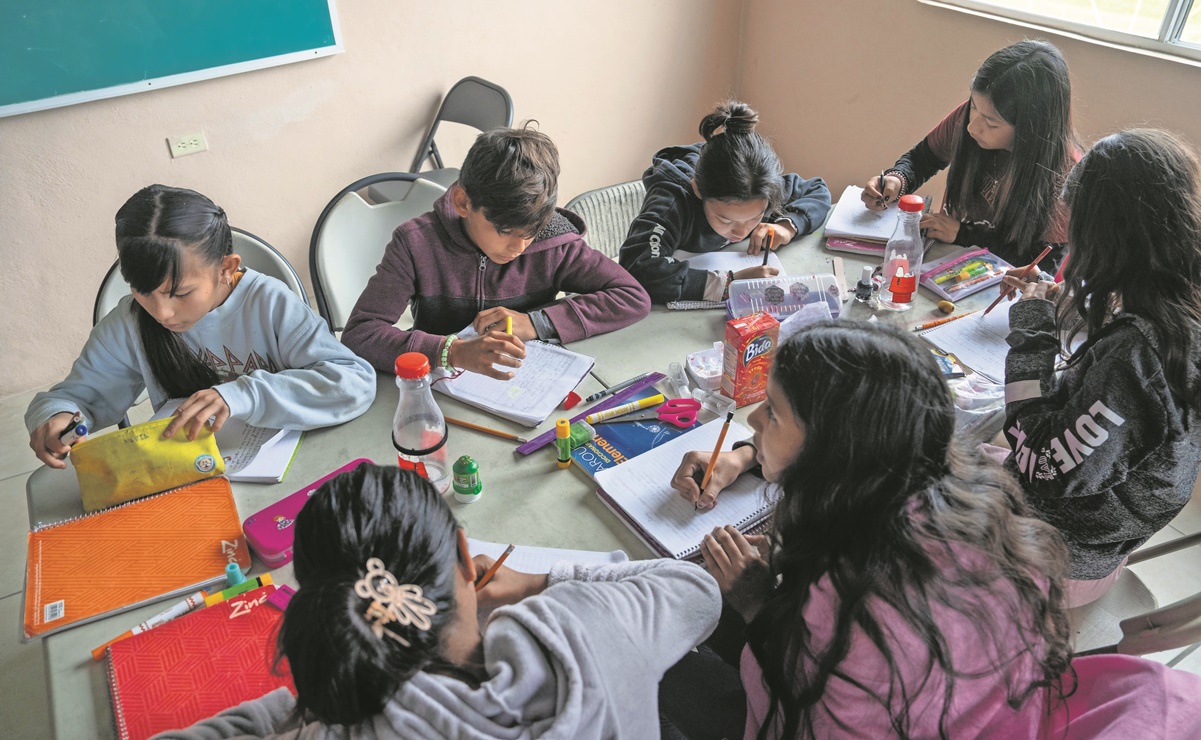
(713, 458)
(486, 430)
(771, 240)
(1006, 293)
(508, 325)
(940, 322)
(483, 581)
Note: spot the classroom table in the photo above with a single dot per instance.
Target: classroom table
(526, 500)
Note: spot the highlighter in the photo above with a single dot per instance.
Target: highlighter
(563, 442)
(626, 408)
(249, 584)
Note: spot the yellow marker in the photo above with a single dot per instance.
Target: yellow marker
(626, 408)
(508, 325)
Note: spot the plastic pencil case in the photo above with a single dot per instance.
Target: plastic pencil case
(137, 461)
(958, 275)
(782, 296)
(269, 532)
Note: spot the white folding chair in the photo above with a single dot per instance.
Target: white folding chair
(608, 213)
(351, 234)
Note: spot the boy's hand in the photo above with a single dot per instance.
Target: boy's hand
(758, 271)
(740, 569)
(196, 411)
(876, 200)
(507, 586)
(940, 227)
(479, 354)
(494, 318)
(45, 443)
(730, 465)
(784, 233)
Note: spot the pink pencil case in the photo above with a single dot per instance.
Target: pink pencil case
(269, 532)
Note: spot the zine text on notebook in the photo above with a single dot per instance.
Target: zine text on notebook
(639, 492)
(733, 257)
(852, 219)
(252, 454)
(547, 374)
(529, 559)
(978, 341)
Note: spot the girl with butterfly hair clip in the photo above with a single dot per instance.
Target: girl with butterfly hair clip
(384, 639)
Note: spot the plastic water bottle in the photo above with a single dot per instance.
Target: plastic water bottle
(903, 256)
(419, 429)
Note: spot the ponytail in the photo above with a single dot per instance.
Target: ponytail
(153, 230)
(737, 164)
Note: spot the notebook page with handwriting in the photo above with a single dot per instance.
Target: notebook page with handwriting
(978, 341)
(641, 487)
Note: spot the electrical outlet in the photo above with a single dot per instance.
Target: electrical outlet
(182, 146)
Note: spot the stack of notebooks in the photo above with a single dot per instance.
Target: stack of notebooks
(639, 492)
(252, 454)
(547, 374)
(618, 441)
(853, 227)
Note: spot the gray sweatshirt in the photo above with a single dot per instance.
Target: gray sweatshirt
(582, 660)
(1104, 452)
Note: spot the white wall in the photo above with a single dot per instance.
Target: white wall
(609, 80)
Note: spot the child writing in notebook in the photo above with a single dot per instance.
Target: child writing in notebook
(1109, 451)
(232, 342)
(702, 197)
(905, 591)
(1008, 148)
(384, 640)
(494, 246)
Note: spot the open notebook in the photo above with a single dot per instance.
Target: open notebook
(252, 454)
(978, 341)
(639, 492)
(547, 374)
(851, 218)
(732, 257)
(529, 559)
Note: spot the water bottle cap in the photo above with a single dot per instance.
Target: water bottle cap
(912, 203)
(412, 365)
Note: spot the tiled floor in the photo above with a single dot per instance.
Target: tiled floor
(24, 704)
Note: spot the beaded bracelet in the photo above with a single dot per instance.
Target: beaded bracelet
(445, 354)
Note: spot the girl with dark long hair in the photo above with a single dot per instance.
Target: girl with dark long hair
(1008, 147)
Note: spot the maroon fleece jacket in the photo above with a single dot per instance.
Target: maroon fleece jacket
(432, 265)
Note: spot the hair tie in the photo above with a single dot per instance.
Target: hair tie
(393, 602)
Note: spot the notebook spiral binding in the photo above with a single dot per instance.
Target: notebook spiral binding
(89, 515)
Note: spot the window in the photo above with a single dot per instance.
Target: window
(1167, 26)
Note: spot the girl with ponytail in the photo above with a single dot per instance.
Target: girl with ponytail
(233, 342)
(702, 197)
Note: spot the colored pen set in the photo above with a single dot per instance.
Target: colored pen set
(958, 275)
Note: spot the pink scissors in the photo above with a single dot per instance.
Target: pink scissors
(680, 412)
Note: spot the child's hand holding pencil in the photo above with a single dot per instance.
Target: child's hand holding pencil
(497, 585)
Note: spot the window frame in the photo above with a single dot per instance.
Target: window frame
(1167, 44)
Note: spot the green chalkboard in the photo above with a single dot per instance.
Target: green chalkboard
(60, 52)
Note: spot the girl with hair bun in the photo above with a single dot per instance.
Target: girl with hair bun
(702, 197)
(384, 639)
(232, 342)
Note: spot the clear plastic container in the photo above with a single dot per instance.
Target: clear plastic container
(418, 428)
(903, 256)
(783, 296)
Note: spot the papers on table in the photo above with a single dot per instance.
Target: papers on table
(852, 219)
(733, 257)
(529, 559)
(252, 454)
(978, 341)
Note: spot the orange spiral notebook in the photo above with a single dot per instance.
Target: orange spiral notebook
(168, 544)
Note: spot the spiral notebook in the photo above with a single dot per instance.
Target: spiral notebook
(168, 544)
(639, 492)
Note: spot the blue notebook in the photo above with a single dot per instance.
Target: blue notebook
(619, 441)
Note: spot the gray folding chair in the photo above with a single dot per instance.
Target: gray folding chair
(472, 102)
(608, 213)
(350, 236)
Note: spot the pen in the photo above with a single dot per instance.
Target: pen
(1006, 293)
(940, 322)
(625, 408)
(180, 609)
(613, 389)
(771, 241)
(485, 430)
(72, 434)
(880, 189)
(713, 458)
(495, 567)
(508, 325)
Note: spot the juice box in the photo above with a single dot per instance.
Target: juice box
(749, 348)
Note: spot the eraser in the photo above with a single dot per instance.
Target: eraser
(280, 597)
(572, 399)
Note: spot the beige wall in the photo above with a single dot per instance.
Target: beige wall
(858, 82)
(609, 80)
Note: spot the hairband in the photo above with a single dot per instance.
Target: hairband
(392, 602)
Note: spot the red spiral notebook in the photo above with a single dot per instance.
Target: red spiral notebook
(196, 666)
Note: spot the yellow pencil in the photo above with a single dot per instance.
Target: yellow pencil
(495, 567)
(508, 325)
(713, 458)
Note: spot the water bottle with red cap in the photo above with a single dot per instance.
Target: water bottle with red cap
(419, 429)
(903, 256)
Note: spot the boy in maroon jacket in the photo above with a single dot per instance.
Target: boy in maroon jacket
(494, 246)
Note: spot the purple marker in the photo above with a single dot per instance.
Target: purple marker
(73, 434)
